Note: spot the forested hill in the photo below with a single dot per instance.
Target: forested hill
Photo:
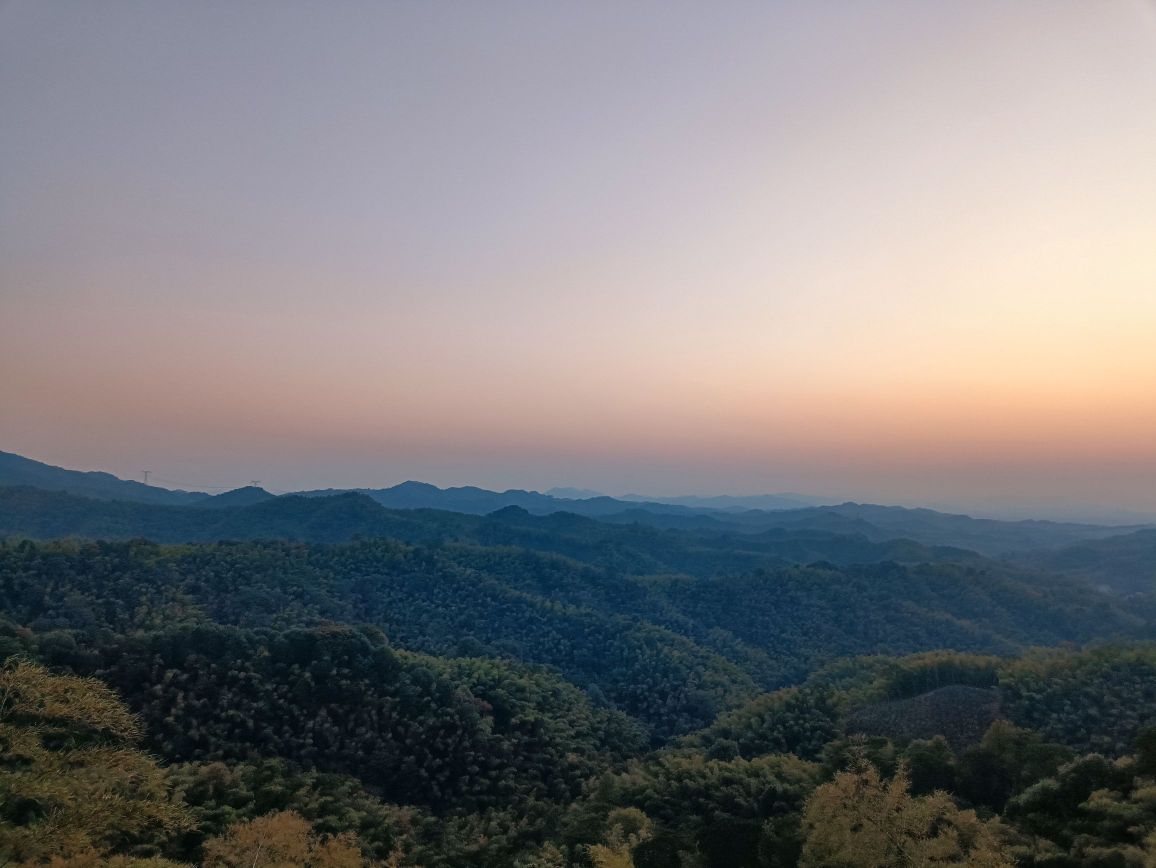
(454, 706)
(638, 541)
(990, 537)
(1125, 564)
(669, 651)
(333, 683)
(633, 547)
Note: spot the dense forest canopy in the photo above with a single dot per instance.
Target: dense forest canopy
(323, 681)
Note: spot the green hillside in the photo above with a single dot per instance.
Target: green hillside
(428, 689)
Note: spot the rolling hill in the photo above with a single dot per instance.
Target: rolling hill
(1125, 563)
(869, 522)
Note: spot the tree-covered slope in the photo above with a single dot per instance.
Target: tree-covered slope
(427, 689)
(421, 597)
(446, 734)
(1125, 563)
(636, 547)
(670, 651)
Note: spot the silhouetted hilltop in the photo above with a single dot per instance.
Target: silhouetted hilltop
(246, 496)
(480, 501)
(18, 470)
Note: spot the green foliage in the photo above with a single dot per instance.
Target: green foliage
(465, 735)
(931, 766)
(420, 597)
(597, 700)
(1092, 811)
(1007, 761)
(1124, 562)
(1098, 700)
(806, 616)
(932, 670)
(720, 813)
(1146, 751)
(794, 720)
(672, 653)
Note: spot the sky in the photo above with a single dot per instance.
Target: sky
(889, 251)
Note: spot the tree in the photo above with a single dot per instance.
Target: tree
(546, 856)
(1006, 762)
(74, 787)
(860, 820)
(930, 765)
(626, 829)
(1146, 751)
(281, 840)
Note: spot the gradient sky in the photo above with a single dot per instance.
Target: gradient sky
(897, 252)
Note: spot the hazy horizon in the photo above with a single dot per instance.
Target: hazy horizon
(903, 253)
(1011, 508)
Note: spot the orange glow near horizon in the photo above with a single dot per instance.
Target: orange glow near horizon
(906, 256)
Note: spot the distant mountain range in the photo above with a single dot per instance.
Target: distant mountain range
(724, 501)
(481, 501)
(18, 470)
(770, 502)
(795, 533)
(640, 547)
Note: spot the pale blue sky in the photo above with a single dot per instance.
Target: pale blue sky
(893, 250)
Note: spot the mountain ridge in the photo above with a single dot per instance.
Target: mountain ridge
(19, 470)
(877, 523)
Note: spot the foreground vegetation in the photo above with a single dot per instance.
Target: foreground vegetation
(450, 704)
(77, 787)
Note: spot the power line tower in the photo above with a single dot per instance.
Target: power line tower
(146, 474)
(256, 483)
